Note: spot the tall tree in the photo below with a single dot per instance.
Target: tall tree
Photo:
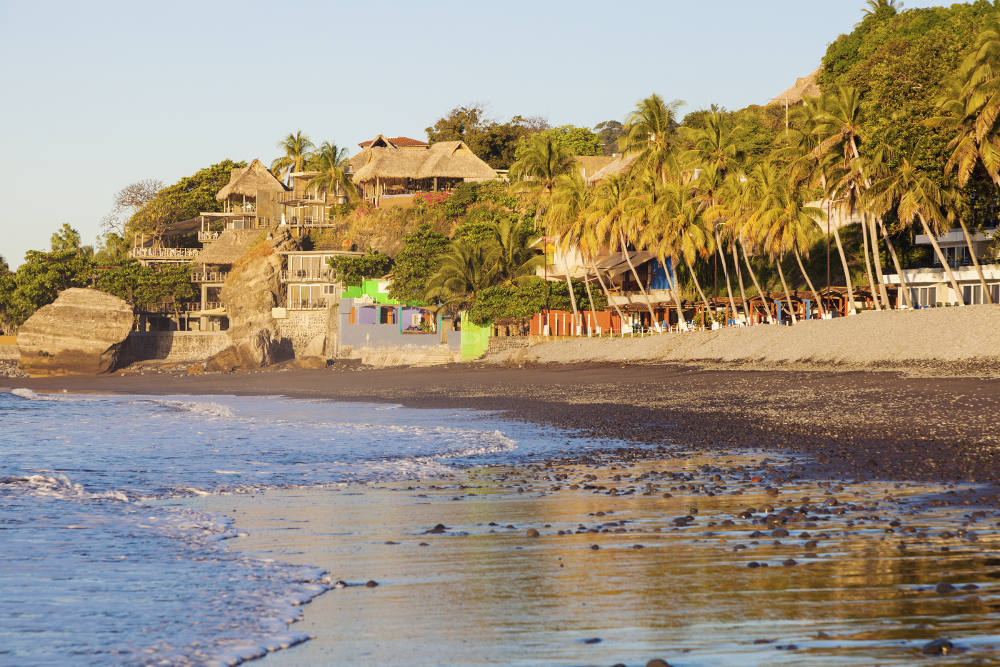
(331, 163)
(297, 148)
(916, 197)
(650, 134)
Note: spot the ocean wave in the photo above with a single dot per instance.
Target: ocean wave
(25, 393)
(202, 408)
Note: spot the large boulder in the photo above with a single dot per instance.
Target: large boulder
(80, 333)
(249, 294)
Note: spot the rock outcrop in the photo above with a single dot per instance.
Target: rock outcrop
(81, 333)
(249, 294)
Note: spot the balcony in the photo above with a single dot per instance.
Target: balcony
(209, 276)
(307, 276)
(164, 254)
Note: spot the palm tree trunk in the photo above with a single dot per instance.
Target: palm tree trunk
(572, 295)
(903, 285)
(701, 293)
(851, 310)
(877, 256)
(725, 271)
(812, 288)
(676, 291)
(763, 299)
(975, 262)
(942, 259)
(607, 294)
(788, 293)
(590, 298)
(635, 274)
(739, 276)
(868, 261)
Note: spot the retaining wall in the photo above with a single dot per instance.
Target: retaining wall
(301, 327)
(175, 346)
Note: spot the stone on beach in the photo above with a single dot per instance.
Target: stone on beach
(80, 333)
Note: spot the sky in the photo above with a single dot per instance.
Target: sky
(97, 95)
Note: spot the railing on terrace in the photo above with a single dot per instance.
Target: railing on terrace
(208, 276)
(208, 235)
(308, 305)
(164, 253)
(306, 276)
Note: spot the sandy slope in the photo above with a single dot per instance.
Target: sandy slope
(969, 334)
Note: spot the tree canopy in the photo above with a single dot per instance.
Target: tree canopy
(494, 142)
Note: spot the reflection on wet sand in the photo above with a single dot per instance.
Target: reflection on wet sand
(696, 561)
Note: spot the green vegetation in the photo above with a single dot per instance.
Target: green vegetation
(495, 143)
(352, 270)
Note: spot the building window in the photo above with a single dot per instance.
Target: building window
(924, 297)
(973, 294)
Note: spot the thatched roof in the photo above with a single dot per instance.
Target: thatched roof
(618, 165)
(591, 164)
(805, 86)
(248, 181)
(228, 248)
(445, 159)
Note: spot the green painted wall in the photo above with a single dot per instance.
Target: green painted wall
(475, 339)
(368, 287)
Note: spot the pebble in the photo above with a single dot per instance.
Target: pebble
(938, 647)
(371, 583)
(532, 533)
(944, 588)
(656, 662)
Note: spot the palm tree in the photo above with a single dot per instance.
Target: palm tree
(881, 8)
(650, 133)
(568, 205)
(687, 233)
(818, 167)
(784, 224)
(983, 79)
(711, 186)
(916, 197)
(538, 169)
(571, 207)
(511, 251)
(296, 147)
(615, 227)
(465, 270)
(331, 163)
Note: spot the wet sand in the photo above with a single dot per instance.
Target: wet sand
(854, 424)
(740, 562)
(694, 560)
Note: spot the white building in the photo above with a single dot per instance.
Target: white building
(929, 286)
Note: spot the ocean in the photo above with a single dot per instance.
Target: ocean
(98, 571)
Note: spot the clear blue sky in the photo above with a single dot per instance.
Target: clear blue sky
(98, 95)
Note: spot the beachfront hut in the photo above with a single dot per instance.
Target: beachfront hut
(245, 183)
(383, 171)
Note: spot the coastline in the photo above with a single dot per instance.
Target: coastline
(855, 424)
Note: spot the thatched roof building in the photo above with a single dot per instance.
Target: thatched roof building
(618, 165)
(805, 86)
(382, 169)
(445, 159)
(247, 181)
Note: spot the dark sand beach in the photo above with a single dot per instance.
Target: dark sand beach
(856, 424)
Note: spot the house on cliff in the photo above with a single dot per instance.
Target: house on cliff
(390, 172)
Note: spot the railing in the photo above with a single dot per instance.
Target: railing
(208, 276)
(184, 307)
(308, 305)
(206, 235)
(163, 253)
(305, 276)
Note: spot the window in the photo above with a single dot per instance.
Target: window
(924, 297)
(973, 294)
